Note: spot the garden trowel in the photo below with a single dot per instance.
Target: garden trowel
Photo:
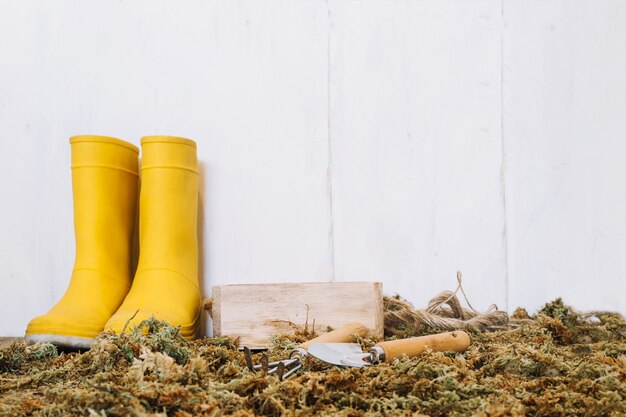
(351, 354)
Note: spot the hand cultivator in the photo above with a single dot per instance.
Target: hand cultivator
(287, 367)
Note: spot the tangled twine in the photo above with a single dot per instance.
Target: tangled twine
(443, 312)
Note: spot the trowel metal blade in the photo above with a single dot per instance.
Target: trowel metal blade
(357, 361)
(336, 353)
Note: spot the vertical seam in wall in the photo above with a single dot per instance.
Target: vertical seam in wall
(505, 237)
(329, 166)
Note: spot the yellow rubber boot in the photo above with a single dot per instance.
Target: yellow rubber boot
(166, 281)
(104, 185)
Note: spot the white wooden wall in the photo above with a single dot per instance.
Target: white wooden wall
(386, 140)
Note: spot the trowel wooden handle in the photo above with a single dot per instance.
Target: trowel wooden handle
(456, 341)
(342, 334)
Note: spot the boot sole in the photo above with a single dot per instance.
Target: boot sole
(71, 342)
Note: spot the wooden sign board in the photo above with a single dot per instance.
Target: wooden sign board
(255, 313)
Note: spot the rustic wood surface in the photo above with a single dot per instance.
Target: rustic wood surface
(254, 313)
(5, 342)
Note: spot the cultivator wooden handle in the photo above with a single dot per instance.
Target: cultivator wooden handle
(456, 341)
(342, 334)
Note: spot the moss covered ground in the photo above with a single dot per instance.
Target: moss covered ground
(556, 362)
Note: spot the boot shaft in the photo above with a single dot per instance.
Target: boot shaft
(168, 231)
(104, 185)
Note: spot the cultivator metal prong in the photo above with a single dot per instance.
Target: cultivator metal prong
(282, 369)
(292, 371)
(247, 354)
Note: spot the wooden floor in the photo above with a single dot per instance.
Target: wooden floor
(6, 341)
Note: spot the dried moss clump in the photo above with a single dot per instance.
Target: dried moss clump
(556, 363)
(14, 357)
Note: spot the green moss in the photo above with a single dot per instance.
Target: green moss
(552, 364)
(558, 310)
(18, 354)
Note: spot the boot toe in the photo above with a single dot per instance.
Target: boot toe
(63, 331)
(123, 320)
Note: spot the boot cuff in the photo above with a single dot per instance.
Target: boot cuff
(104, 139)
(167, 139)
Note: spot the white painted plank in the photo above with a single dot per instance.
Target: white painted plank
(565, 101)
(36, 235)
(415, 122)
(416, 146)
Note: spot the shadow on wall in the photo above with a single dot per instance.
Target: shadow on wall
(135, 245)
(204, 329)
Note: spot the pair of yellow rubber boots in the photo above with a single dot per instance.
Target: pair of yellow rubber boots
(102, 294)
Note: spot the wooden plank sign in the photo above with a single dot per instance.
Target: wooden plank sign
(256, 312)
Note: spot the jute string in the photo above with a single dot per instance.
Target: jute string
(443, 312)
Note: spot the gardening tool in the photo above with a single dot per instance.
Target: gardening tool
(166, 282)
(104, 187)
(351, 354)
(287, 367)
